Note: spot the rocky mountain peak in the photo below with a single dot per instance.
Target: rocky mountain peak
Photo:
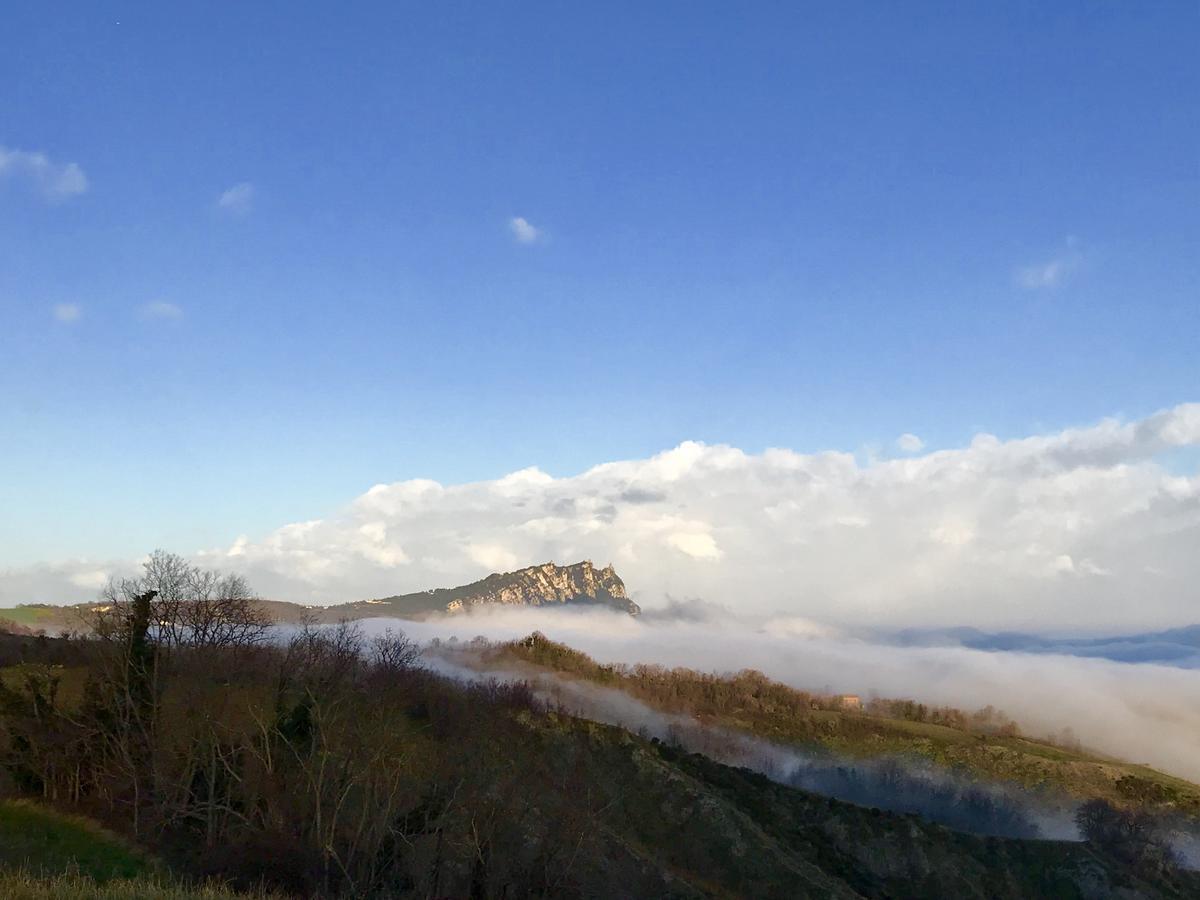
(548, 583)
(580, 583)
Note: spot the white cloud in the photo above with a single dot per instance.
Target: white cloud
(91, 580)
(493, 557)
(524, 231)
(237, 200)
(68, 313)
(161, 309)
(54, 181)
(697, 545)
(1050, 273)
(1050, 531)
(910, 443)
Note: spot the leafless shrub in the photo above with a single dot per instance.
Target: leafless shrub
(192, 607)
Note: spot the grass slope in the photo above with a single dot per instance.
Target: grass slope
(25, 886)
(47, 854)
(45, 842)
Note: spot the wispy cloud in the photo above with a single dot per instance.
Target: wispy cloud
(54, 181)
(1050, 273)
(68, 313)
(161, 309)
(237, 200)
(524, 231)
(910, 443)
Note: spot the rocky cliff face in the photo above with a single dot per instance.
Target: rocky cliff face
(580, 583)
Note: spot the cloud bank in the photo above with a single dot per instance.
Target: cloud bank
(1084, 531)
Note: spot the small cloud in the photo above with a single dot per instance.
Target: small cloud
(696, 544)
(237, 200)
(524, 231)
(93, 580)
(160, 309)
(493, 556)
(68, 313)
(1052, 272)
(910, 443)
(54, 181)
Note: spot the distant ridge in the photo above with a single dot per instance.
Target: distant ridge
(548, 584)
(578, 584)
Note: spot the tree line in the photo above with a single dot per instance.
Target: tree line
(324, 763)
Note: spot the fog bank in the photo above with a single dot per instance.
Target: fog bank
(893, 784)
(1139, 712)
(1093, 527)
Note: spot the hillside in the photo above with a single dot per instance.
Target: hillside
(580, 583)
(328, 768)
(987, 747)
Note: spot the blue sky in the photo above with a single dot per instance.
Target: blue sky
(801, 225)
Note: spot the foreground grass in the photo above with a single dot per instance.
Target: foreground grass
(24, 886)
(39, 840)
(47, 854)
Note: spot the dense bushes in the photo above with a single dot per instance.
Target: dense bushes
(331, 764)
(1132, 836)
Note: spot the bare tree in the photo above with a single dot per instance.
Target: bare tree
(192, 607)
(393, 652)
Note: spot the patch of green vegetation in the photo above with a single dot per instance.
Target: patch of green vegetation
(44, 842)
(38, 616)
(26, 615)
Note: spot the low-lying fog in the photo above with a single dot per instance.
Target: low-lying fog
(1140, 712)
(898, 785)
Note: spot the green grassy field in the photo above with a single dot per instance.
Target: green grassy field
(46, 854)
(44, 842)
(29, 615)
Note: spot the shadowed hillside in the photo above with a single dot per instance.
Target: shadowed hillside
(339, 766)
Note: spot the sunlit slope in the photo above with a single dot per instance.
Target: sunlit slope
(751, 703)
